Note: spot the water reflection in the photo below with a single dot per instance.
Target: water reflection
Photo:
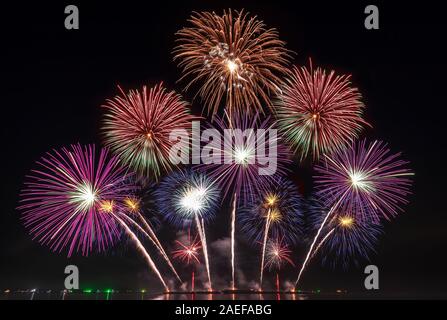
(234, 296)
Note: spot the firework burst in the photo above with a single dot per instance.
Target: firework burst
(233, 58)
(74, 200)
(281, 205)
(346, 239)
(184, 194)
(373, 182)
(365, 181)
(139, 246)
(67, 199)
(240, 169)
(319, 113)
(277, 213)
(277, 254)
(189, 252)
(187, 196)
(137, 127)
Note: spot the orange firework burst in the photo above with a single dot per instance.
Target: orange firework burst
(235, 59)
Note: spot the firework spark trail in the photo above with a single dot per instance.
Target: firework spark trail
(278, 295)
(321, 242)
(158, 244)
(277, 254)
(277, 283)
(264, 245)
(204, 248)
(141, 248)
(334, 207)
(155, 242)
(233, 227)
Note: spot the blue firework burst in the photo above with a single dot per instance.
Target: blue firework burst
(186, 193)
(345, 240)
(282, 204)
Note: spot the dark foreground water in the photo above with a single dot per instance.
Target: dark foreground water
(137, 295)
(111, 294)
(157, 296)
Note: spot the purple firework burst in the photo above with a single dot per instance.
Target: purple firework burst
(250, 156)
(68, 200)
(366, 181)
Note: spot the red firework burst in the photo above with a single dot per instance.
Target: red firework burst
(138, 125)
(188, 252)
(318, 112)
(277, 254)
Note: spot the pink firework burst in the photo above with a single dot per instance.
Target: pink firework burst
(319, 112)
(68, 200)
(138, 125)
(366, 180)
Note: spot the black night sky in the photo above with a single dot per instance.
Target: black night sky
(54, 81)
